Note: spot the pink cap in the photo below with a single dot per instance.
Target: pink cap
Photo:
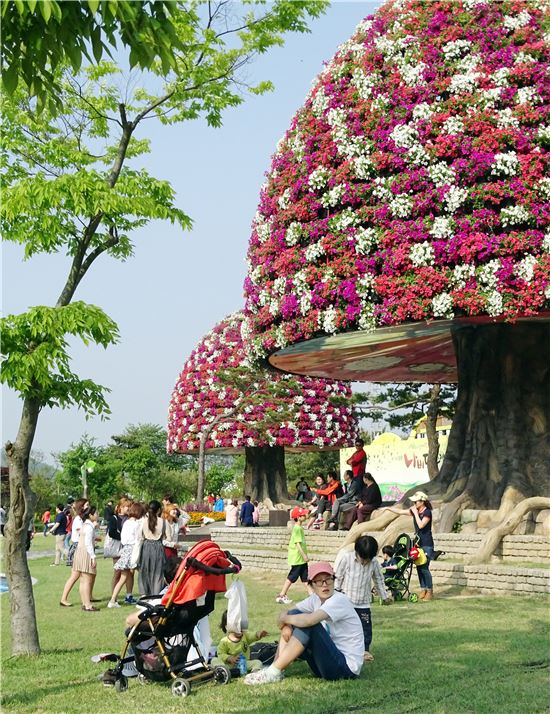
(317, 568)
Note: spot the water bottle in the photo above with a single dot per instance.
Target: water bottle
(242, 665)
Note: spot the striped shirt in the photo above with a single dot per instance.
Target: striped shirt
(355, 579)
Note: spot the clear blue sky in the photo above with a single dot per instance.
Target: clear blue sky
(178, 285)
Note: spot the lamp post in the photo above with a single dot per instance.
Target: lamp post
(85, 469)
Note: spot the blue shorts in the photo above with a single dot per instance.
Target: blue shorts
(298, 571)
(323, 657)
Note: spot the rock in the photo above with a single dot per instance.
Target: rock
(469, 515)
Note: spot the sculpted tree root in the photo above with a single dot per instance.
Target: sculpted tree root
(390, 523)
(493, 537)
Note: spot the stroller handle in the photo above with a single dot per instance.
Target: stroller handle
(210, 570)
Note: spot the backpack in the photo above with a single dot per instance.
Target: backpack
(264, 651)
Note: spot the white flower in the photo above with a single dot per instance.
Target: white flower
(454, 198)
(305, 302)
(363, 167)
(505, 164)
(343, 220)
(401, 206)
(528, 95)
(421, 254)
(274, 307)
(453, 125)
(515, 22)
(441, 174)
(364, 83)
(546, 243)
(456, 48)
(280, 339)
(486, 274)
(543, 133)
(314, 251)
(404, 135)
(366, 319)
(523, 57)
(422, 111)
(320, 102)
(489, 97)
(412, 73)
(464, 83)
(461, 274)
(494, 303)
(365, 240)
(543, 187)
(442, 227)
(500, 76)
(514, 216)
(382, 189)
(279, 285)
(442, 305)
(526, 267)
(297, 146)
(293, 233)
(505, 119)
(333, 197)
(329, 320)
(318, 178)
(284, 199)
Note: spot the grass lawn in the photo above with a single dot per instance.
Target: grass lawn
(456, 654)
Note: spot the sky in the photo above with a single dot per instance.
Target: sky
(179, 284)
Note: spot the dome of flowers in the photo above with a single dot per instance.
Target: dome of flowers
(413, 183)
(320, 419)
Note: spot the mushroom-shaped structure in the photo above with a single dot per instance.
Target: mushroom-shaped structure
(402, 232)
(317, 412)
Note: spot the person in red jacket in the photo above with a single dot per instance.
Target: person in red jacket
(329, 494)
(358, 460)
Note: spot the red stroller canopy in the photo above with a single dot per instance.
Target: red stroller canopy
(191, 581)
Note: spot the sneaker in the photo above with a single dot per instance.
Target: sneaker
(263, 676)
(283, 600)
(112, 604)
(130, 600)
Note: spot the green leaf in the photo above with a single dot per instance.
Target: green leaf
(93, 5)
(10, 77)
(45, 9)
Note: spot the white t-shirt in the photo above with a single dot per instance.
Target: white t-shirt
(131, 531)
(75, 530)
(343, 626)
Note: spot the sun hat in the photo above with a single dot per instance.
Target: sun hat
(316, 568)
(297, 512)
(418, 496)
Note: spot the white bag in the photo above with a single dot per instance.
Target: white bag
(111, 547)
(237, 607)
(136, 555)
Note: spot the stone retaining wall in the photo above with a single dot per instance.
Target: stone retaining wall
(265, 549)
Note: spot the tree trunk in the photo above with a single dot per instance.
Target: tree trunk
(201, 466)
(432, 413)
(24, 631)
(265, 473)
(499, 445)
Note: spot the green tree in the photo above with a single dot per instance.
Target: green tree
(219, 477)
(400, 406)
(68, 187)
(310, 463)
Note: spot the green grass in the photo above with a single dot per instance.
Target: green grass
(451, 656)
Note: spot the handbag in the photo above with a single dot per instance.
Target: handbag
(111, 547)
(136, 555)
(237, 607)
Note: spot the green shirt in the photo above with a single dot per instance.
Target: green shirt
(228, 648)
(297, 536)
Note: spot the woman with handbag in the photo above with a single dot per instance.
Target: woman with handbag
(152, 557)
(112, 544)
(421, 512)
(78, 507)
(176, 521)
(129, 538)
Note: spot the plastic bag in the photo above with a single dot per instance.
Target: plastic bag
(237, 607)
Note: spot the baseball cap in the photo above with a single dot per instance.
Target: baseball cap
(297, 512)
(316, 568)
(418, 496)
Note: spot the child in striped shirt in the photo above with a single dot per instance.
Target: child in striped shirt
(355, 572)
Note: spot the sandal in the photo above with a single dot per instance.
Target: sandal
(90, 609)
(367, 657)
(65, 604)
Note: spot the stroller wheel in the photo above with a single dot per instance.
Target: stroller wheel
(121, 684)
(222, 675)
(181, 687)
(413, 597)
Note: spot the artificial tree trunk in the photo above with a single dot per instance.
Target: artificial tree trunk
(499, 446)
(24, 631)
(265, 473)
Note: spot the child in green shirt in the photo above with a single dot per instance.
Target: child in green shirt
(297, 555)
(235, 644)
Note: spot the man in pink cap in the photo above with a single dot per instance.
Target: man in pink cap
(323, 629)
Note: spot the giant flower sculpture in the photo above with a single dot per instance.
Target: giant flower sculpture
(316, 412)
(402, 233)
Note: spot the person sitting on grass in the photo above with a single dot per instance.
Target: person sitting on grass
(297, 554)
(235, 644)
(323, 629)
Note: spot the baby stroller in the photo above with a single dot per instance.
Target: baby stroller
(159, 644)
(398, 581)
